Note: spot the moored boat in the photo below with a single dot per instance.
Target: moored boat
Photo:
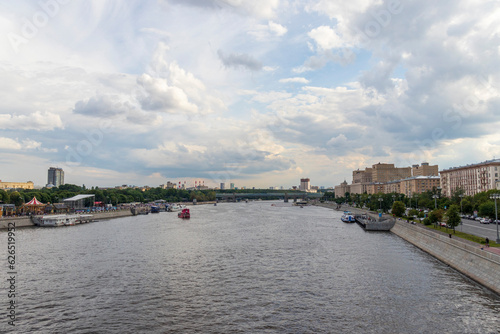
(348, 217)
(184, 214)
(56, 220)
(175, 207)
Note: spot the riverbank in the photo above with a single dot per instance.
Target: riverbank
(474, 260)
(26, 221)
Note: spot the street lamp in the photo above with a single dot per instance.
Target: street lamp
(495, 197)
(461, 198)
(380, 199)
(435, 201)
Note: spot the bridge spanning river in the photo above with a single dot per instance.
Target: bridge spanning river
(284, 196)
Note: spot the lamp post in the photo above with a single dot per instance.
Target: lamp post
(461, 198)
(435, 200)
(380, 199)
(495, 197)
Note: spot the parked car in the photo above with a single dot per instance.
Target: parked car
(484, 221)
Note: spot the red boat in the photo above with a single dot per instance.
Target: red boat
(184, 214)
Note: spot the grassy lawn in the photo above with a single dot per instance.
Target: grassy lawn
(459, 234)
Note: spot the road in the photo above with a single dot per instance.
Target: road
(481, 230)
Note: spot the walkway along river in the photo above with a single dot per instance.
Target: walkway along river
(238, 267)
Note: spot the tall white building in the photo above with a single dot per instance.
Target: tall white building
(305, 185)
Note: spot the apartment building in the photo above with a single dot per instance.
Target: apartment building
(472, 179)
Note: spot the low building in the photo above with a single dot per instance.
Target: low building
(17, 185)
(419, 184)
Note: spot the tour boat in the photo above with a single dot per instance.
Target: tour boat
(155, 209)
(184, 214)
(348, 217)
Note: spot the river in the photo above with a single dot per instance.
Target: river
(238, 268)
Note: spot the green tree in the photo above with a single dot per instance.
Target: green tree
(453, 215)
(398, 208)
(16, 198)
(487, 209)
(433, 217)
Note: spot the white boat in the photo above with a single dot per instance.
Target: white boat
(348, 217)
(175, 207)
(55, 220)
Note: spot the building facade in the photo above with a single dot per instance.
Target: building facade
(17, 185)
(387, 172)
(425, 170)
(55, 176)
(342, 189)
(472, 179)
(419, 184)
(305, 184)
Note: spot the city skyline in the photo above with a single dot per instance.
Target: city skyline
(259, 93)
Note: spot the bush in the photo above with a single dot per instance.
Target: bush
(427, 221)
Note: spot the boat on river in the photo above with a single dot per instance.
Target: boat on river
(155, 209)
(139, 210)
(348, 217)
(184, 214)
(60, 220)
(175, 207)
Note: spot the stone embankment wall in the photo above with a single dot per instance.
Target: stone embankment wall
(26, 221)
(480, 265)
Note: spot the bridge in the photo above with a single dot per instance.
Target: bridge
(233, 197)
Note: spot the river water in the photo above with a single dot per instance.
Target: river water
(238, 268)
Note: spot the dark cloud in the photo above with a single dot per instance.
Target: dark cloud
(244, 61)
(103, 106)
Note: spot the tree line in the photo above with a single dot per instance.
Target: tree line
(432, 199)
(112, 196)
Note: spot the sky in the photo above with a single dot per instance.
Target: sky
(257, 93)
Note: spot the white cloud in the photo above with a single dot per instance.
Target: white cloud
(295, 80)
(326, 38)
(39, 121)
(267, 31)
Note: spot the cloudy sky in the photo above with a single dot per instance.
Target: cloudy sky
(259, 93)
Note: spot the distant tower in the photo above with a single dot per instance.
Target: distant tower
(305, 185)
(222, 186)
(55, 176)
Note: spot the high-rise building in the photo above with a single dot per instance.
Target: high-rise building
(55, 176)
(222, 186)
(305, 185)
(231, 186)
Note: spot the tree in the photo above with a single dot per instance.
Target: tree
(16, 198)
(398, 208)
(433, 217)
(487, 209)
(453, 215)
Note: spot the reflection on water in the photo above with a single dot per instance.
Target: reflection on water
(243, 267)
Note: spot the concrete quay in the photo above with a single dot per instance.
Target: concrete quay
(480, 263)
